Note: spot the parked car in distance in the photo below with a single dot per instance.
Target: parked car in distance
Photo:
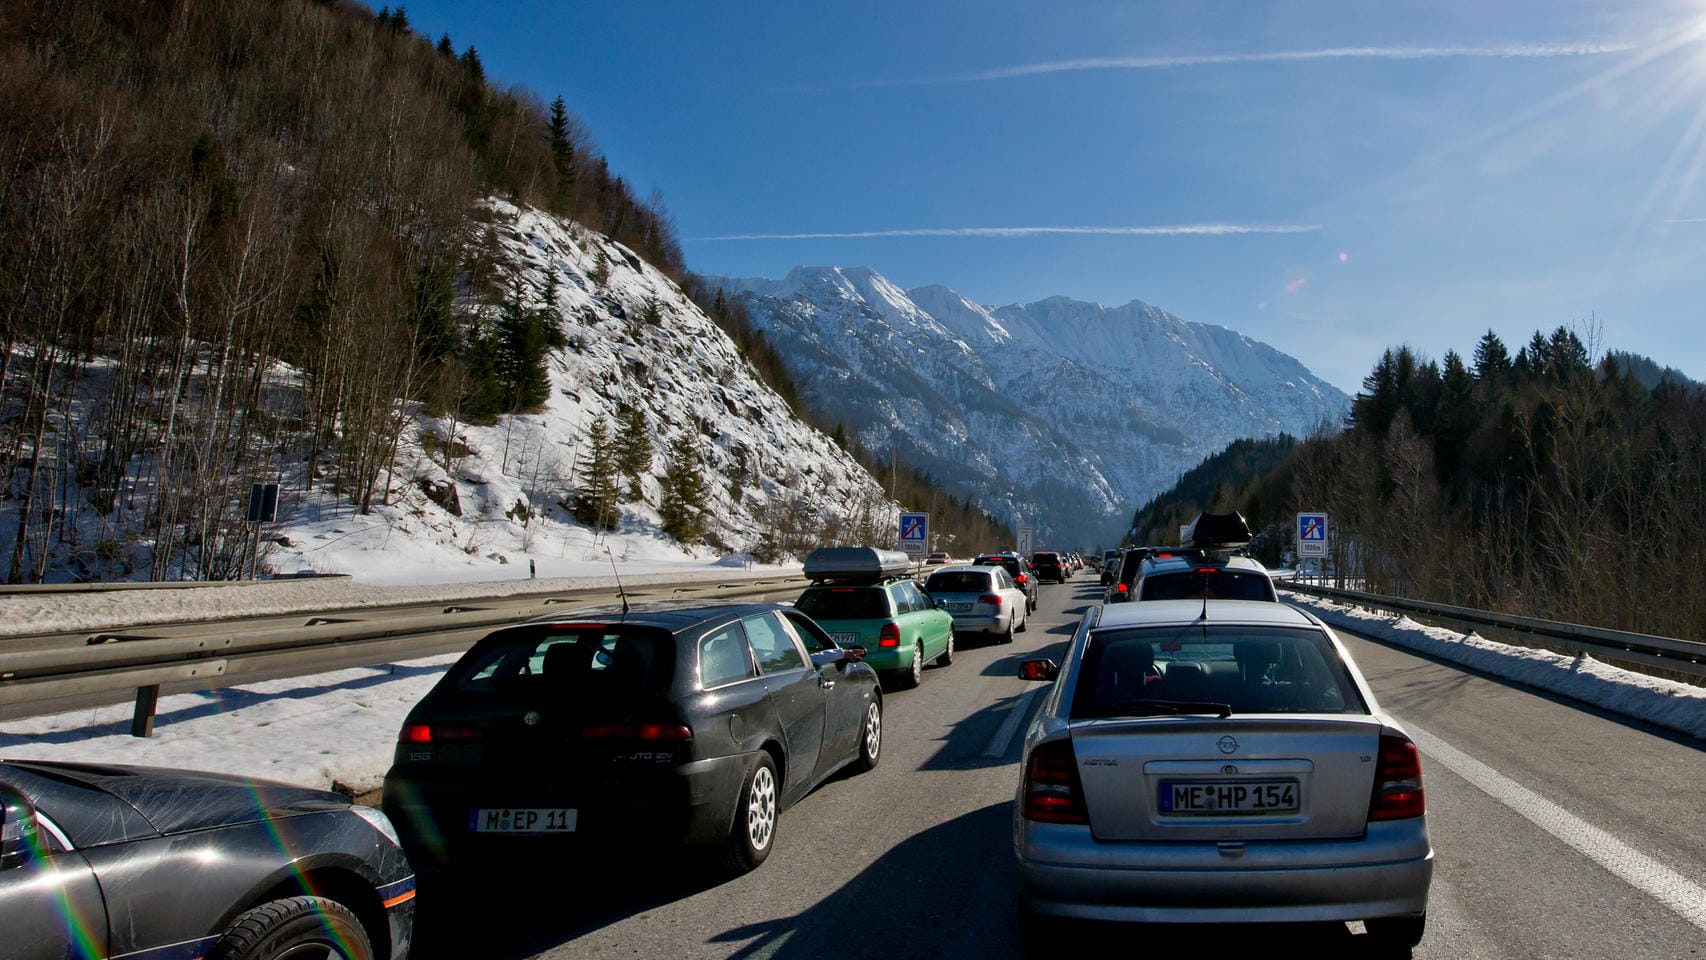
(1222, 761)
(1019, 568)
(981, 600)
(867, 598)
(103, 860)
(937, 559)
(663, 724)
(1049, 566)
(1110, 566)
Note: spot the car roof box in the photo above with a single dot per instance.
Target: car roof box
(1217, 531)
(856, 563)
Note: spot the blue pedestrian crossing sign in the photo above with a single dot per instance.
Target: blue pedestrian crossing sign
(915, 533)
(1311, 535)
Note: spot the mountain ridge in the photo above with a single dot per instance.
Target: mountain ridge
(1060, 413)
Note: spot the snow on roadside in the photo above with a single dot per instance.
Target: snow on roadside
(1665, 703)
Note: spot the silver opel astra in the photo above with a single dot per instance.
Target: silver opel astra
(1206, 760)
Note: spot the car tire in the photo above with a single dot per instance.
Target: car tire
(1024, 624)
(910, 677)
(757, 811)
(947, 655)
(1397, 933)
(870, 736)
(314, 926)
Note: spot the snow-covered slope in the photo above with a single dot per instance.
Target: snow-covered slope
(763, 466)
(1060, 413)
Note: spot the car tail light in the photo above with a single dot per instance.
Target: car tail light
(1053, 793)
(993, 599)
(1021, 579)
(1397, 781)
(1122, 588)
(644, 731)
(889, 635)
(422, 733)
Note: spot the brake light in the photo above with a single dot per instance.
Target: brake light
(1021, 579)
(993, 599)
(577, 626)
(1397, 781)
(1207, 570)
(421, 733)
(1122, 588)
(1053, 793)
(889, 635)
(644, 731)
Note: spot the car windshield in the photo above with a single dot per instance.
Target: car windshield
(1212, 668)
(1210, 585)
(576, 659)
(958, 581)
(844, 603)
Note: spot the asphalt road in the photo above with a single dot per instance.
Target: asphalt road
(1558, 832)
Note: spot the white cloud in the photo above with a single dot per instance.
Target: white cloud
(1176, 230)
(1508, 51)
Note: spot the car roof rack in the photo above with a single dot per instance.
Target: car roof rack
(1217, 532)
(856, 564)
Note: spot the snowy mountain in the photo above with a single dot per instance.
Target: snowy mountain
(1062, 414)
(634, 338)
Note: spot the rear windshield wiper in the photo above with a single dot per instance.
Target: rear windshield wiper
(1145, 708)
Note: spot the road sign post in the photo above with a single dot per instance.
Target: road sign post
(1311, 535)
(1023, 547)
(915, 534)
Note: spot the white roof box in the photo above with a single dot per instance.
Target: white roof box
(856, 563)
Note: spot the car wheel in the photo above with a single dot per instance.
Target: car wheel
(756, 813)
(1024, 624)
(871, 737)
(914, 676)
(297, 928)
(1397, 932)
(947, 655)
(1006, 637)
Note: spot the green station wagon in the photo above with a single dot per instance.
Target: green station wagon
(865, 597)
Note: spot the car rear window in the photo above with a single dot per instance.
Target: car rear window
(590, 659)
(1212, 585)
(844, 603)
(1249, 669)
(961, 581)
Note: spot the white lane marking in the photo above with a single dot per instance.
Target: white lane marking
(1682, 895)
(1003, 738)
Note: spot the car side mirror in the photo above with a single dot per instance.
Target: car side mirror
(1038, 670)
(852, 654)
(19, 839)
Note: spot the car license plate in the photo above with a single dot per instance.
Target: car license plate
(523, 820)
(957, 607)
(845, 639)
(1229, 799)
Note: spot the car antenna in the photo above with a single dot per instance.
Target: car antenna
(619, 591)
(1204, 599)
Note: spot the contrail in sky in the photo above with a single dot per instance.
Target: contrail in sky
(1178, 230)
(1512, 51)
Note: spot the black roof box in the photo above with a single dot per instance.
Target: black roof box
(856, 563)
(1217, 531)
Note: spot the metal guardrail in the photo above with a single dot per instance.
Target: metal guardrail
(1665, 653)
(130, 658)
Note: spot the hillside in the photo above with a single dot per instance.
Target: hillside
(1061, 414)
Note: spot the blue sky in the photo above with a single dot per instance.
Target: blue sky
(1378, 173)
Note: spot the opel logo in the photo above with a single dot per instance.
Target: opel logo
(1228, 745)
(531, 718)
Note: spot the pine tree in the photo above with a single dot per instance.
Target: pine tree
(596, 504)
(634, 449)
(1492, 360)
(549, 317)
(683, 501)
(521, 353)
(562, 158)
